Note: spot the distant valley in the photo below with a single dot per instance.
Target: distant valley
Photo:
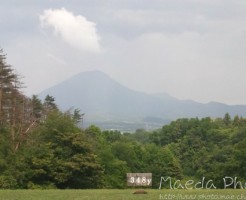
(110, 105)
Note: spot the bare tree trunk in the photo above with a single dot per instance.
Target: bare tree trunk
(24, 134)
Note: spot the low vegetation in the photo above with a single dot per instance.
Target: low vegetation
(121, 194)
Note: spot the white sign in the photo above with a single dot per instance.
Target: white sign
(139, 179)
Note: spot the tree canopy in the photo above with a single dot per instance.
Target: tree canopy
(43, 147)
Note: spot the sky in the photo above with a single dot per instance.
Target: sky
(189, 49)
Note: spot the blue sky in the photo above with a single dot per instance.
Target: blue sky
(190, 49)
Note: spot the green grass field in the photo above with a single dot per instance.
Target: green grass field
(121, 194)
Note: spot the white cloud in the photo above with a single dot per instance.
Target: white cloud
(189, 49)
(75, 30)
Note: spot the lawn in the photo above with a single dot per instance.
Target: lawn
(121, 194)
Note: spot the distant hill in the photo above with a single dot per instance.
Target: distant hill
(103, 99)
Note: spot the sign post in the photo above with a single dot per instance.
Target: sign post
(139, 179)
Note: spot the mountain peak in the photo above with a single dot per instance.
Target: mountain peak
(93, 72)
(101, 97)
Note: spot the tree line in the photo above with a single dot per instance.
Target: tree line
(44, 147)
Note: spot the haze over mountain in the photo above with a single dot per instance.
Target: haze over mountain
(103, 99)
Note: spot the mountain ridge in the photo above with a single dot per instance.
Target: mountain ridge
(100, 97)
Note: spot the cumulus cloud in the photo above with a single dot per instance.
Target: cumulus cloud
(76, 30)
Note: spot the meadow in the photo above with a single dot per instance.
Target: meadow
(126, 194)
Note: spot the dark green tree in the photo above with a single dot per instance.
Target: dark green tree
(7, 83)
(227, 119)
(49, 104)
(63, 156)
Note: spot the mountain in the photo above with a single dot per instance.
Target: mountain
(103, 99)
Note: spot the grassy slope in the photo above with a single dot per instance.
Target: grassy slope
(118, 194)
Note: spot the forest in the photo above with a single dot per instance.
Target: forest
(42, 147)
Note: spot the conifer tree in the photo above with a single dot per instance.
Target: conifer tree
(7, 80)
(18, 113)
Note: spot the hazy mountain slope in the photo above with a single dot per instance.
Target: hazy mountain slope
(102, 98)
(97, 94)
